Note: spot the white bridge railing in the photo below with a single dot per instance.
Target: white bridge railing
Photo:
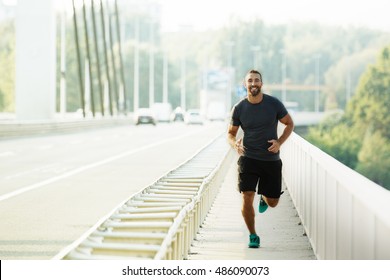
(161, 221)
(345, 215)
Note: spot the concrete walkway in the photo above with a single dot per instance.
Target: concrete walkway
(224, 234)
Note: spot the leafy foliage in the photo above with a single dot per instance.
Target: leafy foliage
(361, 138)
(374, 159)
(7, 66)
(338, 138)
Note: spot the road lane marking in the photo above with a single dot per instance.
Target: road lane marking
(38, 169)
(7, 154)
(89, 166)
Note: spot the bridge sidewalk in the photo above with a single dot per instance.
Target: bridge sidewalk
(224, 234)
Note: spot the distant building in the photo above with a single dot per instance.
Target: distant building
(214, 97)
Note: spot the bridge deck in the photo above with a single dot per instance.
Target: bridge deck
(224, 234)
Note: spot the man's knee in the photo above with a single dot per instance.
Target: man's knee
(248, 198)
(272, 202)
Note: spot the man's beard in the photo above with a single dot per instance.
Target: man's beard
(254, 90)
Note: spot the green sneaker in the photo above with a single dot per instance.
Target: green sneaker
(254, 241)
(262, 205)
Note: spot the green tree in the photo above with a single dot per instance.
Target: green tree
(346, 72)
(339, 138)
(7, 66)
(370, 107)
(374, 159)
(361, 138)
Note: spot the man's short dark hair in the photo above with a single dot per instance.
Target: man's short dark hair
(253, 71)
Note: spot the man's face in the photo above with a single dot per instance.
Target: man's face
(253, 84)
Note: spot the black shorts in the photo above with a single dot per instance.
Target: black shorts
(267, 175)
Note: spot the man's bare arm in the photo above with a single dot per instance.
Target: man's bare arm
(288, 129)
(232, 140)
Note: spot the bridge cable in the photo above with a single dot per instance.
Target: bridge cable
(114, 68)
(122, 70)
(101, 93)
(106, 56)
(78, 58)
(92, 101)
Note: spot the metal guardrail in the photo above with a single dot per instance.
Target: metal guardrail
(160, 221)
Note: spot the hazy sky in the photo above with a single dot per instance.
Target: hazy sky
(203, 14)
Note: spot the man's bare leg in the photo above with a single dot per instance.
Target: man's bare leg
(248, 212)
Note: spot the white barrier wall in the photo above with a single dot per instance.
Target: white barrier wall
(345, 215)
(35, 60)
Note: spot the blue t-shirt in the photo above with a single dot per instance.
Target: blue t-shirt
(259, 123)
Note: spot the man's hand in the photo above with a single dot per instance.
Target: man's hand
(275, 146)
(239, 147)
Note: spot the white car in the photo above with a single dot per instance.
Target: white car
(178, 115)
(193, 116)
(144, 116)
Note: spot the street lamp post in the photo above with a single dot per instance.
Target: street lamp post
(284, 74)
(256, 52)
(348, 83)
(183, 81)
(151, 64)
(136, 66)
(165, 78)
(230, 45)
(317, 81)
(184, 29)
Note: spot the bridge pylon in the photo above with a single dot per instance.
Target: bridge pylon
(35, 75)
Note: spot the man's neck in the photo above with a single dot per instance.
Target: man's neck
(255, 99)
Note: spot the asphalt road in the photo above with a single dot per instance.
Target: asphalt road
(54, 188)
